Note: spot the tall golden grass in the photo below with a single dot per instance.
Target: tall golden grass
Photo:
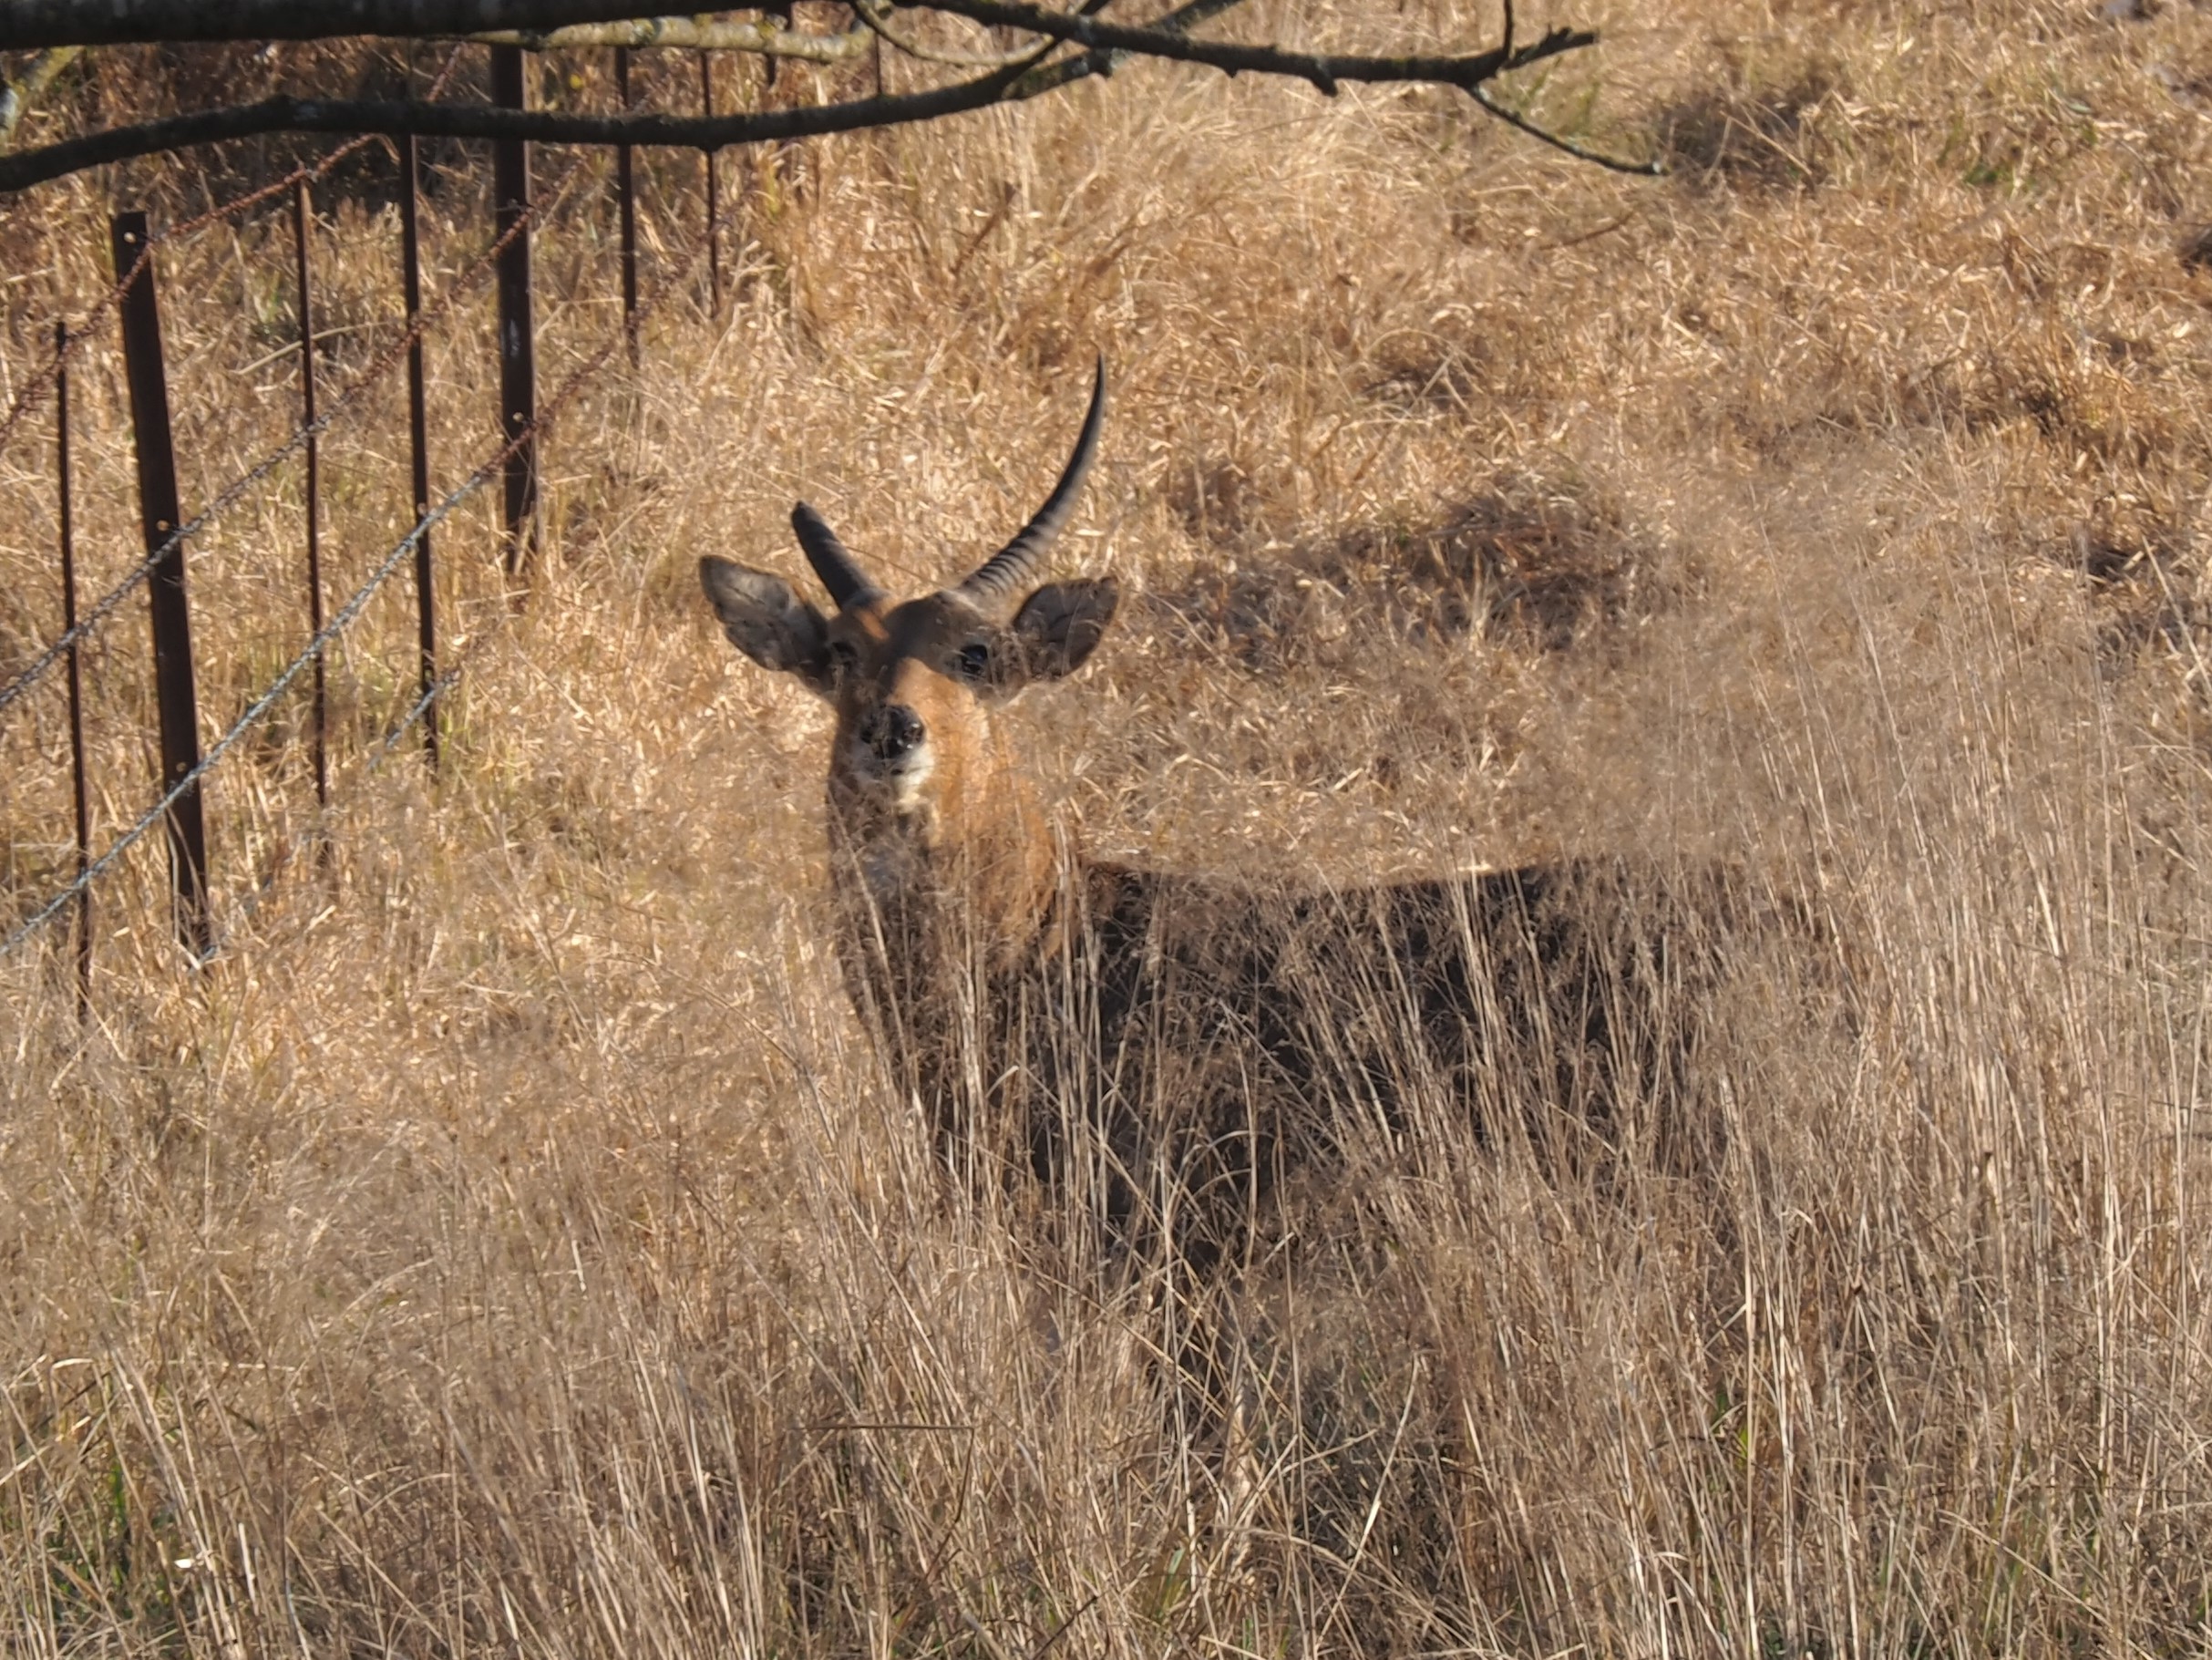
(510, 1242)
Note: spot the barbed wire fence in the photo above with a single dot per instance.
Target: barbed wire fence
(525, 427)
(390, 563)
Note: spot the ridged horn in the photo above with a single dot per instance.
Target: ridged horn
(832, 560)
(1006, 569)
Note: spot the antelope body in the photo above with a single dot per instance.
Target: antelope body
(1181, 1049)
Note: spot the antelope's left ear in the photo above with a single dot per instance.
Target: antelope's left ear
(1061, 624)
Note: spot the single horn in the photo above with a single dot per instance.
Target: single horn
(1006, 569)
(832, 560)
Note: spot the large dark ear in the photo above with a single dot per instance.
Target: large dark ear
(1060, 624)
(767, 621)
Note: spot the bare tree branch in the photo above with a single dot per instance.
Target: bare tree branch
(486, 121)
(95, 23)
(19, 95)
(1324, 70)
(1470, 74)
(1024, 78)
(768, 37)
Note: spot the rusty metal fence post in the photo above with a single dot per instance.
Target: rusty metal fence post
(172, 625)
(76, 685)
(301, 208)
(518, 359)
(625, 190)
(714, 191)
(418, 443)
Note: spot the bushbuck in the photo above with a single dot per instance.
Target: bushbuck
(1183, 1050)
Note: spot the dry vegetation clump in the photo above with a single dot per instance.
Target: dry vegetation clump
(510, 1242)
(1523, 563)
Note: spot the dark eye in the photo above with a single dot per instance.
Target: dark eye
(973, 661)
(842, 658)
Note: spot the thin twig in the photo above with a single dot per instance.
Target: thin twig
(1653, 168)
(1051, 77)
(875, 15)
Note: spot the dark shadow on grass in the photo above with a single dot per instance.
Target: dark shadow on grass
(1528, 565)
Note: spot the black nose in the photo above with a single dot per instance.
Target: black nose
(892, 730)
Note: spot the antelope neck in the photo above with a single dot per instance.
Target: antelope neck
(989, 851)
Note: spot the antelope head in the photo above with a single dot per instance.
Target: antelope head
(921, 786)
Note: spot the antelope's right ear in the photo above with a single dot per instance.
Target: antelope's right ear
(1061, 624)
(767, 621)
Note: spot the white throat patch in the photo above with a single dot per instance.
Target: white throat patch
(897, 783)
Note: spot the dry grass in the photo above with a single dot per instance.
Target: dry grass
(509, 1243)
